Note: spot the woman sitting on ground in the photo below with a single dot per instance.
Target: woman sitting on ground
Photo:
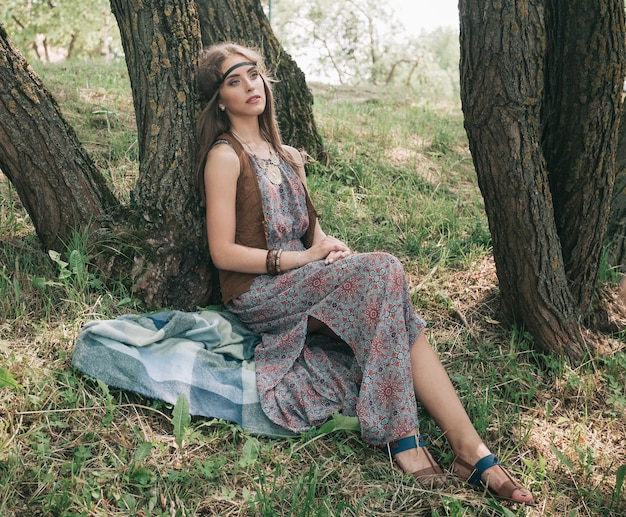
(306, 292)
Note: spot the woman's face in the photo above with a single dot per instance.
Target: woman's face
(243, 90)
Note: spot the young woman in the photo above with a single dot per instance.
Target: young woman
(339, 333)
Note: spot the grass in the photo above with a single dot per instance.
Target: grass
(401, 180)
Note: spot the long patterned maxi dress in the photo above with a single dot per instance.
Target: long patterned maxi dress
(303, 379)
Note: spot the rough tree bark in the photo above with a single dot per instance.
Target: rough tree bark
(244, 21)
(161, 42)
(56, 181)
(547, 212)
(617, 221)
(581, 114)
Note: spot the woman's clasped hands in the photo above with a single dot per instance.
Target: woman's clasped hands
(329, 249)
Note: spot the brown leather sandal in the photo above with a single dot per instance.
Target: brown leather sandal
(428, 474)
(474, 478)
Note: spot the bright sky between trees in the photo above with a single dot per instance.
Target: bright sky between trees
(400, 24)
(418, 15)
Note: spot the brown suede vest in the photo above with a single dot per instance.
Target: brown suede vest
(251, 226)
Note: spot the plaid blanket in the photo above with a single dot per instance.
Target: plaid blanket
(206, 355)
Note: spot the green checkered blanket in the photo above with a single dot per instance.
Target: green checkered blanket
(206, 355)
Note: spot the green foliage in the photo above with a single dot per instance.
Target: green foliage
(7, 380)
(606, 272)
(349, 53)
(616, 500)
(74, 273)
(74, 276)
(51, 31)
(340, 423)
(181, 419)
(360, 42)
(614, 377)
(250, 453)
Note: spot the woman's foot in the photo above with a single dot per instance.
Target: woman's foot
(487, 472)
(412, 456)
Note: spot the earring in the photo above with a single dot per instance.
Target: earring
(222, 107)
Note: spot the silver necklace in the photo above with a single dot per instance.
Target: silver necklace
(268, 165)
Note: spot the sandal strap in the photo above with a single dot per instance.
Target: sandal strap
(427, 472)
(406, 443)
(479, 468)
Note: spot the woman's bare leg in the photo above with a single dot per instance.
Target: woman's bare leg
(437, 395)
(435, 392)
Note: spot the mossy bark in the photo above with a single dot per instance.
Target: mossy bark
(161, 42)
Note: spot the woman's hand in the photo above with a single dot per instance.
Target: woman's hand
(328, 249)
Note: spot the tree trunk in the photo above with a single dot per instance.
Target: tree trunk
(57, 182)
(616, 232)
(581, 113)
(503, 73)
(244, 21)
(161, 42)
(540, 84)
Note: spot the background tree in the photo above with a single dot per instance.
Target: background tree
(362, 42)
(160, 237)
(351, 39)
(51, 31)
(541, 85)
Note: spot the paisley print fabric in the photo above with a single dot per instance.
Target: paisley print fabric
(303, 379)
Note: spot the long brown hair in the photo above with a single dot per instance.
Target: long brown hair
(212, 122)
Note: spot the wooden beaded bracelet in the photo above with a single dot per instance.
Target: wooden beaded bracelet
(270, 262)
(277, 262)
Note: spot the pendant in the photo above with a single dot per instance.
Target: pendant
(273, 173)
